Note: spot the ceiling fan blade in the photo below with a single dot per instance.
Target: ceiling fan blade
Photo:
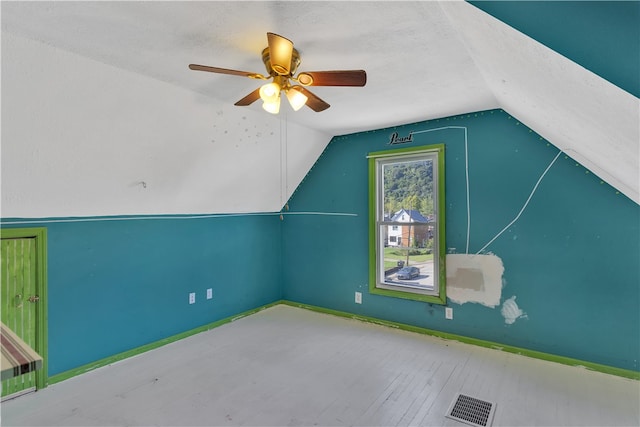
(218, 70)
(333, 78)
(249, 99)
(280, 53)
(313, 102)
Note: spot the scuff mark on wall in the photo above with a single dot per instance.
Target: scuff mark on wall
(511, 312)
(474, 278)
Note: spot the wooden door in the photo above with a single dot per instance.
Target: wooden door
(22, 287)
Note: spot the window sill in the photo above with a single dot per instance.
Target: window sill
(432, 299)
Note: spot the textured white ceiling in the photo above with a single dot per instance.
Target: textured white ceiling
(415, 60)
(423, 59)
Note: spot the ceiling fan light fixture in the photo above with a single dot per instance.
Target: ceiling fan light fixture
(281, 61)
(270, 92)
(272, 107)
(296, 98)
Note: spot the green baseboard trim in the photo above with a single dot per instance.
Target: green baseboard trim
(635, 375)
(151, 346)
(611, 370)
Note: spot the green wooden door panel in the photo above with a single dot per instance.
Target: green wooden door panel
(22, 295)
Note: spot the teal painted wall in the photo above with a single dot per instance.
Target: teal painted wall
(571, 259)
(115, 284)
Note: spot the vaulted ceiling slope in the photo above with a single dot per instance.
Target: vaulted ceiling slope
(588, 117)
(601, 36)
(109, 85)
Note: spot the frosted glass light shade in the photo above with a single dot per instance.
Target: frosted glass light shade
(270, 92)
(272, 107)
(296, 98)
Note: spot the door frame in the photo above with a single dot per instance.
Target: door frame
(40, 236)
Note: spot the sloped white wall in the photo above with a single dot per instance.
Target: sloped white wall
(81, 138)
(592, 120)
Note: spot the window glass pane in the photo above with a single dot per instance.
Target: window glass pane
(408, 222)
(408, 190)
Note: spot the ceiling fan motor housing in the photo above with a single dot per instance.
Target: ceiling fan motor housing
(295, 62)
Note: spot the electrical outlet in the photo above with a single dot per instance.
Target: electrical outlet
(209, 293)
(448, 313)
(192, 298)
(358, 297)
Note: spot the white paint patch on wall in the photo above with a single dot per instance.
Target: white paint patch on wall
(511, 312)
(474, 278)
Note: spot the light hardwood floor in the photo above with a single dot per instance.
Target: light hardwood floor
(287, 366)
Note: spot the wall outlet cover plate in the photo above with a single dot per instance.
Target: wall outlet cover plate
(448, 313)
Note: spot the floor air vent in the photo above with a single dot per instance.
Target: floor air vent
(471, 411)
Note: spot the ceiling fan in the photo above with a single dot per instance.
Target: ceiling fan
(282, 61)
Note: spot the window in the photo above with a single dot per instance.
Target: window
(406, 223)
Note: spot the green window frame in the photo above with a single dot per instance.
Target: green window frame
(402, 234)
